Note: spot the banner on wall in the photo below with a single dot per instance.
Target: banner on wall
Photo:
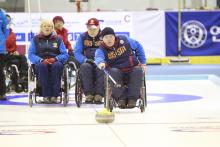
(148, 28)
(74, 22)
(200, 33)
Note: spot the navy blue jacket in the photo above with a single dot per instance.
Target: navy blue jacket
(126, 53)
(85, 47)
(47, 47)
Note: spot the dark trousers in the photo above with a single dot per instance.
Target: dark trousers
(2, 76)
(92, 79)
(218, 3)
(50, 78)
(133, 81)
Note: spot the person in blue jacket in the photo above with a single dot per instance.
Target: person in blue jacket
(124, 58)
(91, 76)
(4, 32)
(47, 51)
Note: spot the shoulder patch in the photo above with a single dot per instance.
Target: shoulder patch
(121, 42)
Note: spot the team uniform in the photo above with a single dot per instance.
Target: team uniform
(122, 60)
(92, 77)
(44, 47)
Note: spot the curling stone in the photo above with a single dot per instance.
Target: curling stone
(105, 116)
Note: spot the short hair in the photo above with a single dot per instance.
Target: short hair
(46, 22)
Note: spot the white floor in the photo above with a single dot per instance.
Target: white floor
(194, 122)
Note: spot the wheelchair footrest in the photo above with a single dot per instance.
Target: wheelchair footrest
(49, 102)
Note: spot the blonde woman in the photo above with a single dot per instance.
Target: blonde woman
(47, 51)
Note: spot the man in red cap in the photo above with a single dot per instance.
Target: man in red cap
(62, 32)
(92, 77)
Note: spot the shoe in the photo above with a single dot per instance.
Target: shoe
(121, 103)
(98, 99)
(53, 99)
(89, 98)
(131, 103)
(3, 97)
(46, 99)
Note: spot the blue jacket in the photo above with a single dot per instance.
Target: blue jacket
(43, 47)
(85, 47)
(126, 53)
(4, 31)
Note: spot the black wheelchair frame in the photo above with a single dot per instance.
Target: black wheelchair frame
(65, 86)
(78, 89)
(110, 102)
(12, 72)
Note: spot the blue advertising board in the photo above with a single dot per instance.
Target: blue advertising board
(200, 33)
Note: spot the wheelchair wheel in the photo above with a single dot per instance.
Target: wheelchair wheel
(78, 91)
(66, 86)
(111, 104)
(144, 91)
(30, 96)
(8, 86)
(143, 101)
(142, 105)
(12, 78)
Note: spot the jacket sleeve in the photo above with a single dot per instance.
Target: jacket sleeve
(79, 51)
(66, 40)
(138, 50)
(5, 26)
(11, 45)
(32, 53)
(63, 56)
(99, 56)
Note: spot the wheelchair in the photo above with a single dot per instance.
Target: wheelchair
(79, 94)
(13, 80)
(66, 84)
(110, 102)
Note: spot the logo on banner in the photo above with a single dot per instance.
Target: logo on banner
(215, 31)
(70, 36)
(20, 37)
(193, 34)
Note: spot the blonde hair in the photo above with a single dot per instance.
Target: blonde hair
(46, 22)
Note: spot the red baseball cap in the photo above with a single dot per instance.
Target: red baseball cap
(93, 21)
(56, 18)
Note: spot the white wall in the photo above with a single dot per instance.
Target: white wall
(132, 5)
(50, 6)
(111, 5)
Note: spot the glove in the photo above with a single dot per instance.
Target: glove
(90, 61)
(51, 60)
(45, 61)
(101, 65)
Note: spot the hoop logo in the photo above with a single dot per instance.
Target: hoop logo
(193, 34)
